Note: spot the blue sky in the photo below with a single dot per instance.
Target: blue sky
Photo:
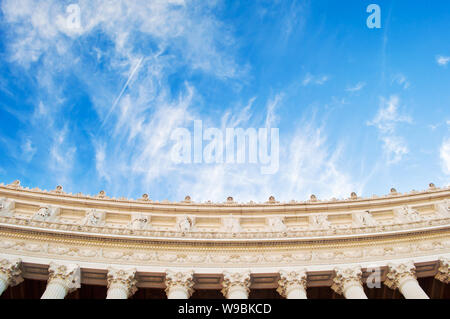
(93, 108)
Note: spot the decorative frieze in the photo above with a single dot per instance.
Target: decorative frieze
(6, 207)
(94, 218)
(443, 209)
(319, 221)
(231, 225)
(363, 219)
(140, 227)
(140, 221)
(297, 256)
(276, 224)
(184, 224)
(407, 214)
(46, 214)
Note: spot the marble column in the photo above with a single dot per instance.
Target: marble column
(62, 280)
(10, 273)
(348, 282)
(179, 284)
(403, 277)
(444, 270)
(292, 284)
(236, 285)
(121, 283)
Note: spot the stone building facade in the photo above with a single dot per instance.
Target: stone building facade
(59, 245)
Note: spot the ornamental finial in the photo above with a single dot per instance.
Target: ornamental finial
(187, 199)
(101, 194)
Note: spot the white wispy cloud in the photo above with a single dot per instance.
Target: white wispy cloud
(386, 121)
(28, 150)
(62, 154)
(358, 87)
(140, 111)
(445, 156)
(271, 117)
(442, 60)
(395, 147)
(401, 80)
(315, 79)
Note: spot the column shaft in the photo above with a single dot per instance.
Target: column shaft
(237, 293)
(296, 293)
(55, 290)
(355, 292)
(3, 284)
(411, 289)
(117, 293)
(402, 276)
(178, 293)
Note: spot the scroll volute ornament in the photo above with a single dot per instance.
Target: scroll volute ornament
(69, 275)
(233, 279)
(444, 270)
(180, 279)
(290, 279)
(346, 277)
(122, 279)
(398, 273)
(10, 269)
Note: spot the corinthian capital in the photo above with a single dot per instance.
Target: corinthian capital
(68, 275)
(290, 279)
(345, 278)
(444, 270)
(10, 271)
(183, 280)
(398, 273)
(122, 279)
(233, 280)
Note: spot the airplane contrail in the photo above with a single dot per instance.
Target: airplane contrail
(121, 92)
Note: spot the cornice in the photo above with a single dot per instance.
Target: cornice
(146, 205)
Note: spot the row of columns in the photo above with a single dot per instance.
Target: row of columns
(65, 278)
